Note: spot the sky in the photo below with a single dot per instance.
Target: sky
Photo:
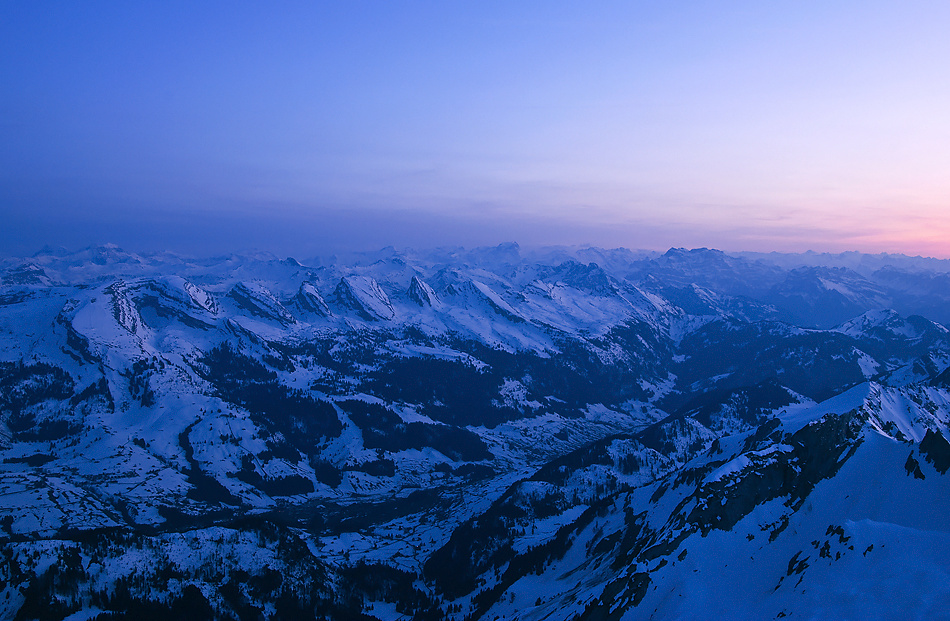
(303, 127)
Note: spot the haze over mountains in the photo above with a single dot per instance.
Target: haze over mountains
(484, 433)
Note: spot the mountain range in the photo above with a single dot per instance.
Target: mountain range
(474, 434)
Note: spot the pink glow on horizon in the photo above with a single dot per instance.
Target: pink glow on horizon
(747, 125)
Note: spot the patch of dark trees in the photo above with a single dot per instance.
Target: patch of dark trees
(384, 429)
(301, 420)
(26, 385)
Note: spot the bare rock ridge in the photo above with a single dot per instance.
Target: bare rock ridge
(364, 295)
(421, 293)
(309, 300)
(260, 302)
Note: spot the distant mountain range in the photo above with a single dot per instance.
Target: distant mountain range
(465, 434)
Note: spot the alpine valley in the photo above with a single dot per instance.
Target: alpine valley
(564, 433)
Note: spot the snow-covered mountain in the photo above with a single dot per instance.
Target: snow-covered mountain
(436, 433)
(823, 511)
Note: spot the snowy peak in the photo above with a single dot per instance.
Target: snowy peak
(199, 297)
(502, 257)
(824, 297)
(712, 269)
(874, 323)
(174, 290)
(260, 302)
(26, 274)
(590, 278)
(421, 293)
(160, 302)
(908, 412)
(309, 300)
(105, 254)
(124, 312)
(495, 301)
(364, 295)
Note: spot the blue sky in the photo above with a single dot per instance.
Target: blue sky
(304, 126)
